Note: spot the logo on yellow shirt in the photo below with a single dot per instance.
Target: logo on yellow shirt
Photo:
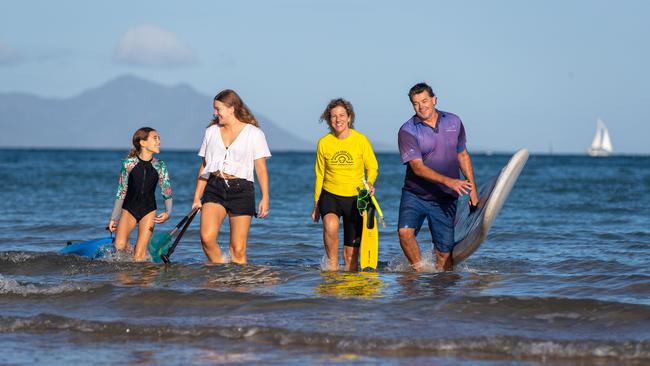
(342, 158)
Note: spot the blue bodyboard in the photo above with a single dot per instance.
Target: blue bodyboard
(93, 249)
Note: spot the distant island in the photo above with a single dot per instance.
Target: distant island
(106, 116)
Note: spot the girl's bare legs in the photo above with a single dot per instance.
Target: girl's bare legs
(212, 216)
(239, 226)
(145, 230)
(124, 227)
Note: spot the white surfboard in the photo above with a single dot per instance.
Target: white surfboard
(472, 229)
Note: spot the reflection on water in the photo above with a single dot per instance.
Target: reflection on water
(244, 278)
(441, 284)
(362, 284)
(148, 275)
(212, 357)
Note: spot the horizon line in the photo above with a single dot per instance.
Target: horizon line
(482, 152)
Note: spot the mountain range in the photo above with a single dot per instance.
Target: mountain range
(107, 116)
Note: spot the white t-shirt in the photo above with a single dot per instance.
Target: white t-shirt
(238, 158)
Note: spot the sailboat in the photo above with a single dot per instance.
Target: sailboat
(602, 144)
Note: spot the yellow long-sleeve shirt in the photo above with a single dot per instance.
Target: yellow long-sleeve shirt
(340, 164)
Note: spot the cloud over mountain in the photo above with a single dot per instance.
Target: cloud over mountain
(151, 46)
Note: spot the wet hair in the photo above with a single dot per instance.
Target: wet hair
(419, 88)
(338, 102)
(231, 99)
(139, 135)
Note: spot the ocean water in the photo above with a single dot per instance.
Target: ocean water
(563, 278)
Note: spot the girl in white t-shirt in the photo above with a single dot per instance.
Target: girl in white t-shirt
(233, 147)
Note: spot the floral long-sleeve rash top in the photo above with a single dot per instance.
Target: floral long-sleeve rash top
(128, 165)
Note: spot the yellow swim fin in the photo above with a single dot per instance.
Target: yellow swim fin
(374, 202)
(369, 251)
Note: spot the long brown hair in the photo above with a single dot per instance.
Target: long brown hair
(141, 134)
(231, 99)
(338, 102)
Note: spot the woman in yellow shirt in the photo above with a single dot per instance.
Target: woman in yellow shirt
(342, 158)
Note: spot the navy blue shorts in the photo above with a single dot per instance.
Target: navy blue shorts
(440, 217)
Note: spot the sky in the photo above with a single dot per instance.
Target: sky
(520, 74)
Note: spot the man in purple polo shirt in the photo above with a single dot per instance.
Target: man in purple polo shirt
(432, 145)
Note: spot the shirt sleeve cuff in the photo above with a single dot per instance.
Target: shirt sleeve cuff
(117, 210)
(168, 206)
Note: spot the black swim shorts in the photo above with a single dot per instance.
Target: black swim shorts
(345, 207)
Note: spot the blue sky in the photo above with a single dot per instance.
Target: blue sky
(533, 74)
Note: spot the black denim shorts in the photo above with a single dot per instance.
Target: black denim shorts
(237, 196)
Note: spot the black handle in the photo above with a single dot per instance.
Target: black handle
(186, 223)
(187, 217)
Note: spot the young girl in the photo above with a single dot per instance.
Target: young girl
(233, 148)
(135, 202)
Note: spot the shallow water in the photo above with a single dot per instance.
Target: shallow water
(563, 278)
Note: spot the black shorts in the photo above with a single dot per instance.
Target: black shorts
(237, 196)
(345, 207)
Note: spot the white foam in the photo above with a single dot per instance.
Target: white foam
(401, 264)
(20, 257)
(324, 265)
(11, 286)
(553, 316)
(225, 257)
(211, 356)
(109, 254)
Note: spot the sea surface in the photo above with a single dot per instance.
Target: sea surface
(562, 279)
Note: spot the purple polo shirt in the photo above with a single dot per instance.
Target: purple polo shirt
(438, 148)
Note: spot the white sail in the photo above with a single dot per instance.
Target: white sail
(606, 142)
(601, 144)
(598, 137)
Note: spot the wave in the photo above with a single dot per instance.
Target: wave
(9, 287)
(538, 306)
(12, 260)
(18, 257)
(512, 346)
(54, 264)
